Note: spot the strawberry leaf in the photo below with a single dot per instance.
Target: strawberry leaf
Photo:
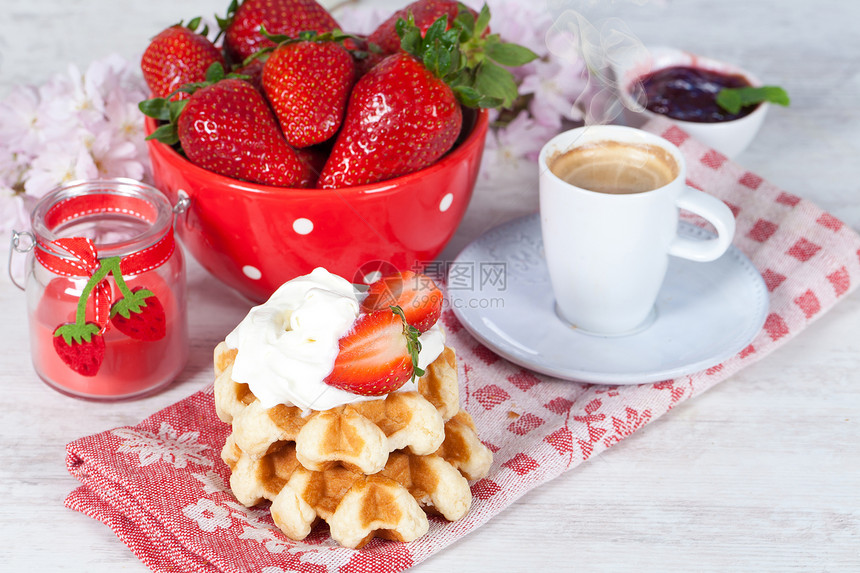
(495, 82)
(483, 21)
(166, 134)
(224, 23)
(174, 110)
(155, 107)
(410, 36)
(215, 72)
(470, 63)
(468, 96)
(508, 54)
(433, 35)
(465, 23)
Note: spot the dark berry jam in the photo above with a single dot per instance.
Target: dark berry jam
(690, 94)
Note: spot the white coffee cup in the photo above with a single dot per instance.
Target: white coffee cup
(611, 223)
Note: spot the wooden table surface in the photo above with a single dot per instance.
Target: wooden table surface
(762, 473)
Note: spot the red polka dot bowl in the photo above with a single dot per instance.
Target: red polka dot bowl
(254, 237)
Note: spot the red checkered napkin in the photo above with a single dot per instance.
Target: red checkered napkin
(162, 487)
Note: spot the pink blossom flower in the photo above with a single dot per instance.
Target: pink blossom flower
(361, 20)
(13, 211)
(515, 146)
(114, 157)
(555, 88)
(59, 163)
(20, 124)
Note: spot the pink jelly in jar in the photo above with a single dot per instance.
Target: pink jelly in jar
(106, 291)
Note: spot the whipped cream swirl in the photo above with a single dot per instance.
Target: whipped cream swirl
(288, 345)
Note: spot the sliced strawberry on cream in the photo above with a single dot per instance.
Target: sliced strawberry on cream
(378, 355)
(416, 294)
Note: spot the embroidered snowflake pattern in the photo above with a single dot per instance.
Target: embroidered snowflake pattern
(208, 515)
(211, 481)
(256, 527)
(167, 445)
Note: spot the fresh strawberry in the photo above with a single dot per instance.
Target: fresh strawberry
(424, 13)
(288, 17)
(315, 158)
(307, 81)
(416, 294)
(377, 356)
(400, 118)
(405, 113)
(80, 346)
(139, 315)
(228, 128)
(177, 56)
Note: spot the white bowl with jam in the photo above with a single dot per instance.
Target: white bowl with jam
(682, 87)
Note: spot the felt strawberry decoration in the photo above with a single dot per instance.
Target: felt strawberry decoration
(378, 355)
(405, 113)
(139, 315)
(80, 346)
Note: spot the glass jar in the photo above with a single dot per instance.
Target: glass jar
(106, 290)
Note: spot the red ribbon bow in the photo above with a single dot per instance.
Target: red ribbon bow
(78, 257)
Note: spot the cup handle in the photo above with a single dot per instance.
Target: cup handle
(718, 214)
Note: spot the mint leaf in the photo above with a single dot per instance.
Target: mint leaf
(733, 99)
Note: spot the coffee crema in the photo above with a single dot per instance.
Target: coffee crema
(615, 167)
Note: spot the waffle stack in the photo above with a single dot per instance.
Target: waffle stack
(369, 469)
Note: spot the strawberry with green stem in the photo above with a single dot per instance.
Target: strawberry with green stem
(227, 127)
(310, 111)
(138, 314)
(424, 14)
(405, 113)
(176, 56)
